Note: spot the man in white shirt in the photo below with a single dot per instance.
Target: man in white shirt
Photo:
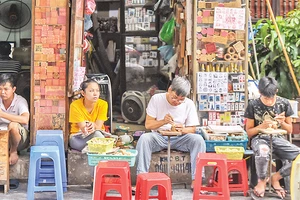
(165, 110)
(14, 116)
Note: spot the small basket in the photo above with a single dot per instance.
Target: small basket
(100, 145)
(93, 159)
(232, 153)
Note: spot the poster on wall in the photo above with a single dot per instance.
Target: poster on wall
(79, 73)
(229, 18)
(212, 82)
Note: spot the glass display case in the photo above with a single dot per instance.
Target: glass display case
(141, 56)
(139, 16)
(142, 62)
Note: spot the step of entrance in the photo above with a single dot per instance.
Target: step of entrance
(79, 172)
(20, 169)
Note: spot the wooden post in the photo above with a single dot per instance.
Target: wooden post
(283, 47)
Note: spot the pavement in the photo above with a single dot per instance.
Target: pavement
(85, 192)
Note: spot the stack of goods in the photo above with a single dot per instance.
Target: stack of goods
(103, 149)
(223, 136)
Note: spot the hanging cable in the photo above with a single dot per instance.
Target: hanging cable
(8, 34)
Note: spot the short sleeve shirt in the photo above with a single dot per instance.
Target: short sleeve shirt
(18, 106)
(259, 112)
(78, 113)
(185, 113)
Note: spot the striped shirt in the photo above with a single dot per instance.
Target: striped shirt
(7, 65)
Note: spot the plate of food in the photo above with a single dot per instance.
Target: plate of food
(273, 131)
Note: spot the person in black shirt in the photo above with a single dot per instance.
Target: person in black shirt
(270, 112)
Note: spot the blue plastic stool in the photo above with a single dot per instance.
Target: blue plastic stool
(45, 169)
(36, 154)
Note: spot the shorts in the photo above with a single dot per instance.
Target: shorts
(25, 139)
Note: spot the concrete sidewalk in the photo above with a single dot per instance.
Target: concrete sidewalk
(85, 192)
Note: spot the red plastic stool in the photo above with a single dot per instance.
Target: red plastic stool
(105, 180)
(222, 189)
(240, 167)
(145, 181)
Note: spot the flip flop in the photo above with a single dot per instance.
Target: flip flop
(192, 185)
(255, 195)
(13, 184)
(281, 193)
(133, 190)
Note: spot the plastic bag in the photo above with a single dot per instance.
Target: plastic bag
(166, 52)
(90, 7)
(166, 33)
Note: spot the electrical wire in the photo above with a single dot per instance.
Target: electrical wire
(8, 34)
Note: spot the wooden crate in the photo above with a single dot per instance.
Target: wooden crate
(4, 161)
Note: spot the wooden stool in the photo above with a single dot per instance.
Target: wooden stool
(4, 160)
(145, 181)
(103, 183)
(222, 189)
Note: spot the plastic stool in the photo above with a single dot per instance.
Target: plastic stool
(36, 153)
(241, 167)
(145, 181)
(105, 180)
(45, 169)
(222, 189)
(242, 178)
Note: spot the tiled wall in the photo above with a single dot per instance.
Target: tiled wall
(49, 65)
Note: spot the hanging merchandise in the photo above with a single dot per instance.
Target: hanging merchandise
(162, 7)
(166, 33)
(166, 52)
(90, 7)
(87, 22)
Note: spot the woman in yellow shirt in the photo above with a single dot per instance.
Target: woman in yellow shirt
(87, 115)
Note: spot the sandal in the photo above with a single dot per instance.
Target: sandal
(255, 195)
(13, 184)
(133, 190)
(281, 193)
(192, 185)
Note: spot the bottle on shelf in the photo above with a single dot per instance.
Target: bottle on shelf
(207, 68)
(217, 68)
(202, 69)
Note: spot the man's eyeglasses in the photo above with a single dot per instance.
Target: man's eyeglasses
(177, 98)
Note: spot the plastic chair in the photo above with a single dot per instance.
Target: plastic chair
(240, 167)
(37, 153)
(45, 169)
(112, 175)
(222, 189)
(145, 181)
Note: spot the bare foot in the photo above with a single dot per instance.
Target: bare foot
(259, 189)
(277, 187)
(13, 159)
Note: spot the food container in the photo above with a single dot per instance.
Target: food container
(232, 153)
(100, 145)
(217, 137)
(93, 159)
